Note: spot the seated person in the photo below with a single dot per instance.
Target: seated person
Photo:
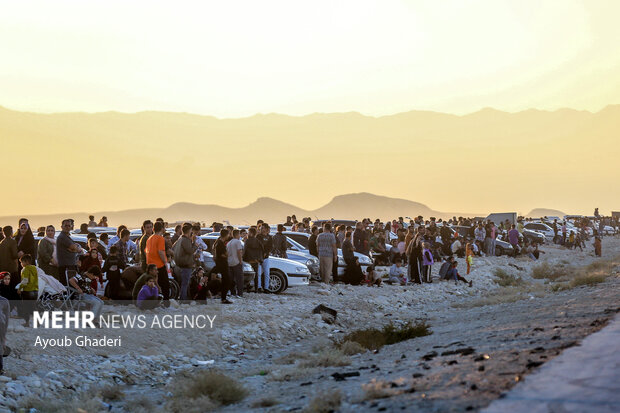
(151, 269)
(82, 283)
(397, 273)
(198, 289)
(6, 289)
(214, 284)
(353, 273)
(454, 274)
(445, 268)
(372, 278)
(148, 297)
(536, 251)
(458, 248)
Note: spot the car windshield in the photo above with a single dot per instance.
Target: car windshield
(295, 244)
(300, 239)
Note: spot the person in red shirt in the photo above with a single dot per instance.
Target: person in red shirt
(156, 254)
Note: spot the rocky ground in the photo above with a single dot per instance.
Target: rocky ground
(484, 339)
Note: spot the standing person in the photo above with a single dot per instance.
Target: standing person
(265, 267)
(156, 254)
(414, 255)
(312, 248)
(234, 250)
(360, 239)
(563, 232)
(67, 251)
(326, 246)
(123, 248)
(513, 238)
(28, 287)
(598, 246)
(81, 282)
(427, 262)
(91, 221)
(147, 231)
(253, 254)
(469, 255)
(184, 258)
(341, 234)
(494, 234)
(112, 269)
(8, 255)
(220, 256)
(280, 243)
(479, 234)
(178, 232)
(25, 240)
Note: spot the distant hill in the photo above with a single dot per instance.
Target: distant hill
(545, 212)
(100, 161)
(350, 206)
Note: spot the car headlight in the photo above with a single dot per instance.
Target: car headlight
(247, 267)
(311, 262)
(301, 270)
(341, 261)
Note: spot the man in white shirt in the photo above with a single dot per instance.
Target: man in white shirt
(234, 249)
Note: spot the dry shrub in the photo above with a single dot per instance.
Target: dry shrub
(325, 402)
(265, 402)
(291, 373)
(374, 339)
(545, 271)
(377, 389)
(504, 279)
(587, 279)
(139, 404)
(351, 347)
(188, 405)
(326, 358)
(210, 383)
(501, 296)
(598, 265)
(111, 393)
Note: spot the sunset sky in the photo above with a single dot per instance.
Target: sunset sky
(232, 59)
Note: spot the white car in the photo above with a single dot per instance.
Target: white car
(300, 241)
(283, 273)
(542, 228)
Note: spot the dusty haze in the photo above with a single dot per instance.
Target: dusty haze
(485, 161)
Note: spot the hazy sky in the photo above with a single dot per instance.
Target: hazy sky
(238, 58)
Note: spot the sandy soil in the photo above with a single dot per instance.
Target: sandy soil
(520, 328)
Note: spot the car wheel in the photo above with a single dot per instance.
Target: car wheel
(277, 281)
(499, 251)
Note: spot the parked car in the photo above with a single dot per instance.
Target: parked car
(542, 228)
(364, 260)
(284, 273)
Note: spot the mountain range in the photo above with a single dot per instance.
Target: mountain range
(486, 160)
(349, 206)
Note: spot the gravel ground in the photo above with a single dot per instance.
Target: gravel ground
(493, 346)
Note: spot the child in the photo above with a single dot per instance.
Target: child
(148, 297)
(372, 278)
(598, 246)
(28, 288)
(427, 263)
(397, 273)
(453, 273)
(469, 256)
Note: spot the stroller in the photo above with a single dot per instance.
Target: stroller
(52, 294)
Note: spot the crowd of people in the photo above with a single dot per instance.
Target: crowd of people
(143, 269)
